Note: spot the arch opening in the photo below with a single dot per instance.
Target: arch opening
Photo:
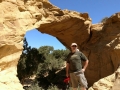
(40, 65)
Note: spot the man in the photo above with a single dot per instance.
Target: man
(74, 68)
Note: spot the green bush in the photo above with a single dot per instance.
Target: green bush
(104, 19)
(45, 63)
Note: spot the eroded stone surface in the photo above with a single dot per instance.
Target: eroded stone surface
(116, 85)
(111, 82)
(104, 83)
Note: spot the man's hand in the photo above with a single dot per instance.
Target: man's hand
(67, 75)
(83, 70)
(85, 66)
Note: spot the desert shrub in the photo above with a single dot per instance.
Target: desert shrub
(45, 63)
(104, 20)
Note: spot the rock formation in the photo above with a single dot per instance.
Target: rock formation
(108, 83)
(116, 85)
(104, 83)
(100, 42)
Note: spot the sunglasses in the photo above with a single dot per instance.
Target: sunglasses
(74, 46)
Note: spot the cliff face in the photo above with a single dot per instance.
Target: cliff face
(99, 42)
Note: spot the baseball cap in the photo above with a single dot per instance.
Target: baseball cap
(74, 44)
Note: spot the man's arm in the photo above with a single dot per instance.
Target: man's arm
(67, 69)
(85, 65)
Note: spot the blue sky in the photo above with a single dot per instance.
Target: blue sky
(97, 10)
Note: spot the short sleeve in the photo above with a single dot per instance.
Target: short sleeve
(83, 57)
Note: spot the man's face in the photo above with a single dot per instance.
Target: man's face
(73, 47)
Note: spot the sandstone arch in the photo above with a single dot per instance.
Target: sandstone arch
(100, 42)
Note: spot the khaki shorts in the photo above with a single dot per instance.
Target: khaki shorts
(78, 79)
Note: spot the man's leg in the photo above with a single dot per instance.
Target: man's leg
(74, 88)
(82, 81)
(74, 81)
(82, 88)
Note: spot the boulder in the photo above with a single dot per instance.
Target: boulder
(105, 83)
(116, 85)
(110, 82)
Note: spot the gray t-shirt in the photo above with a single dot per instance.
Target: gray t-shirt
(74, 60)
